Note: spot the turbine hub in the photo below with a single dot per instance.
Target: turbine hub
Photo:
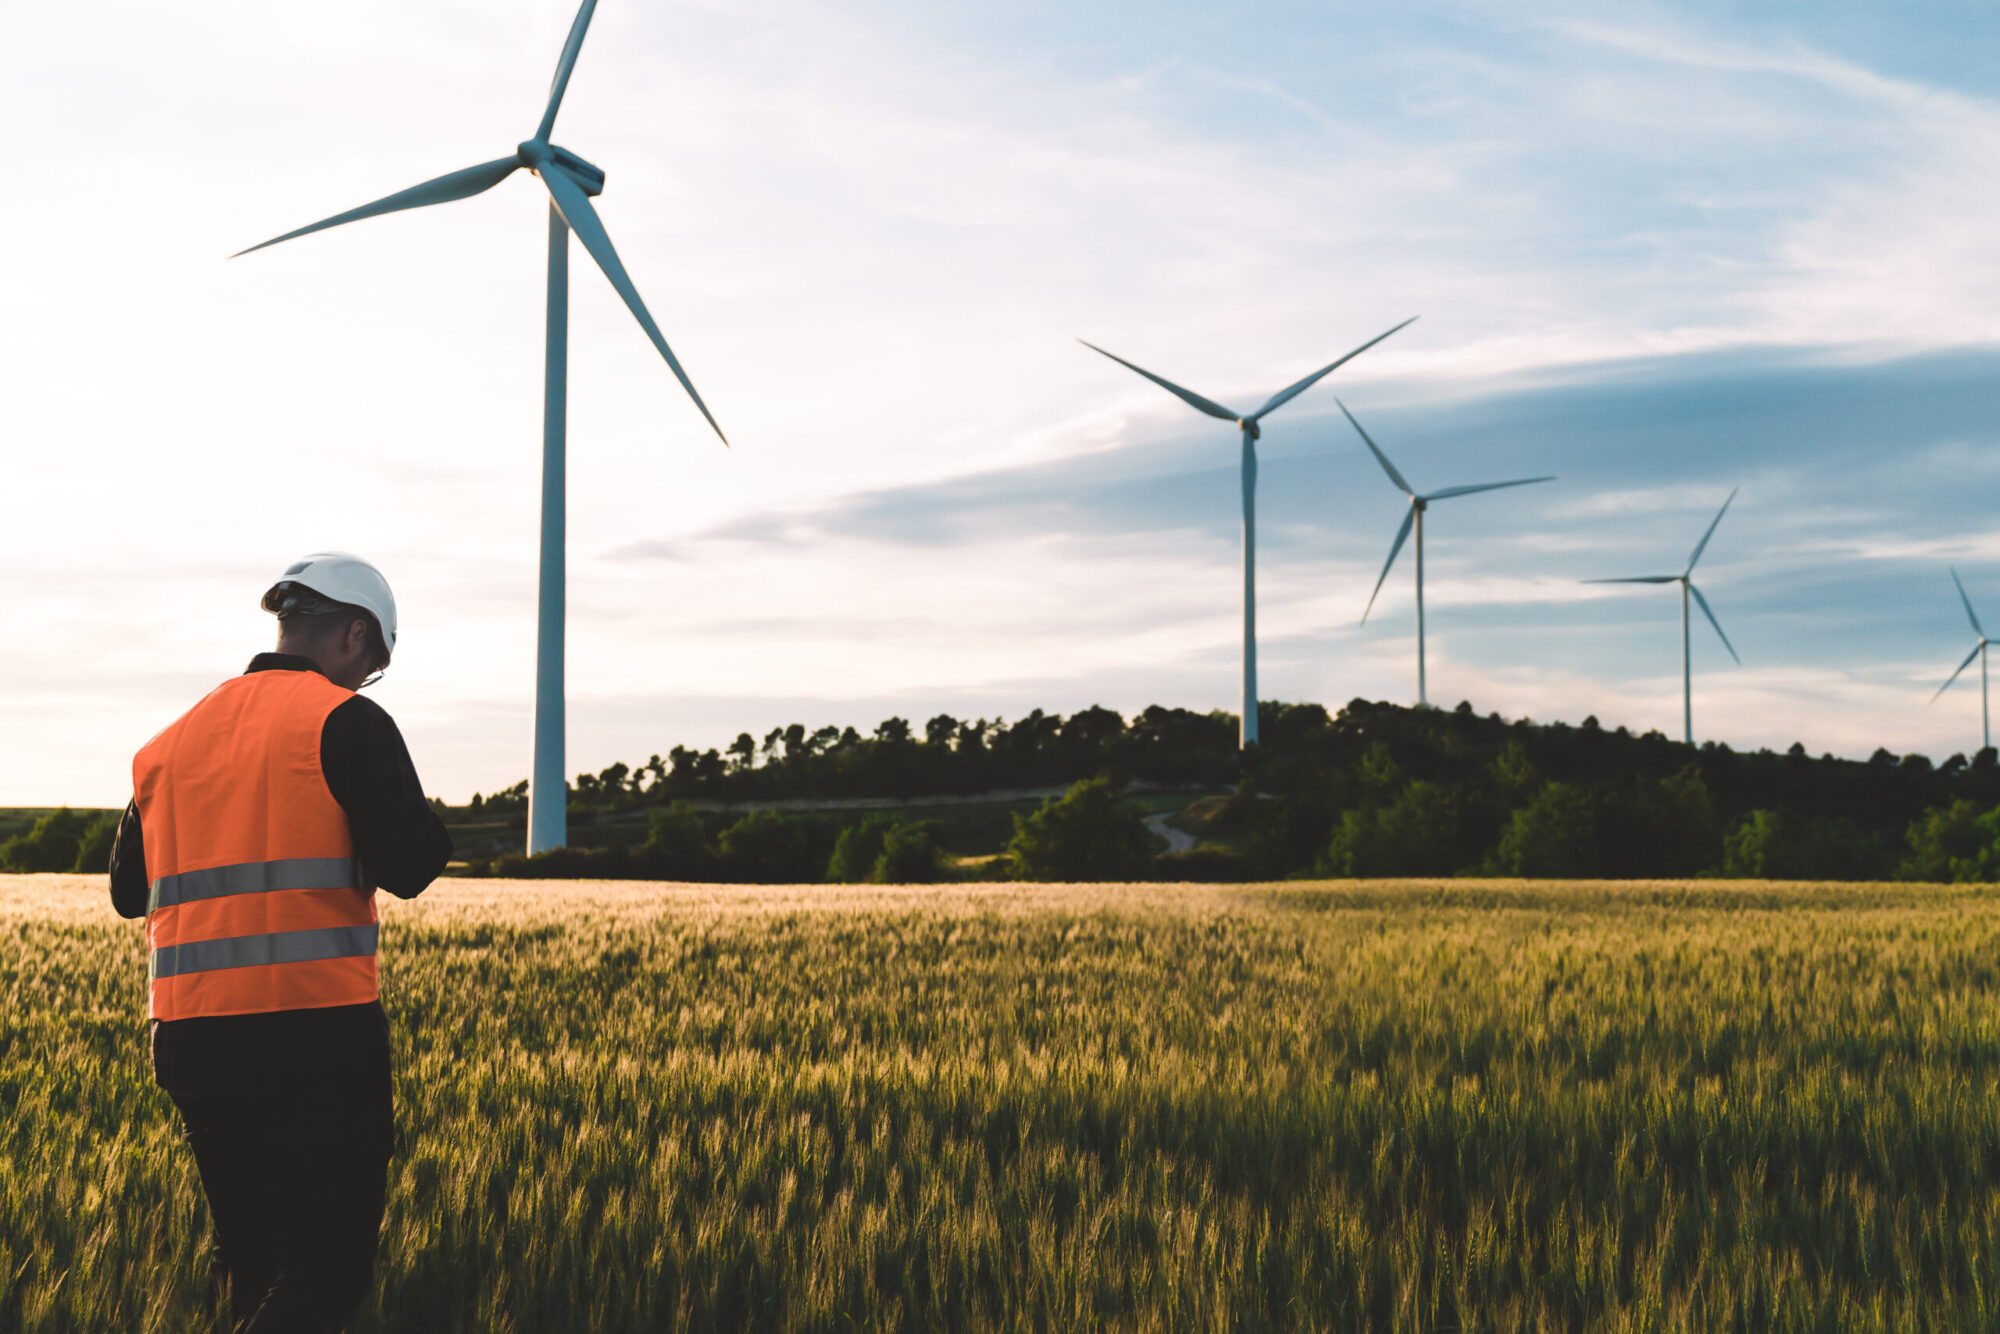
(587, 174)
(536, 154)
(1250, 428)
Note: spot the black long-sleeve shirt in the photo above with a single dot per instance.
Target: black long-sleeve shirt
(401, 845)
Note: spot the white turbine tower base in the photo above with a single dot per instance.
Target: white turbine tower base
(571, 182)
(1413, 521)
(1686, 580)
(1247, 424)
(1979, 652)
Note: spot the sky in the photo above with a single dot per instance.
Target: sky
(1661, 253)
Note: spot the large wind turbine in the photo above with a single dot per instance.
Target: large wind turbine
(1686, 580)
(1247, 424)
(571, 182)
(1979, 652)
(1414, 519)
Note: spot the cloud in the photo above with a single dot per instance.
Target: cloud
(1659, 257)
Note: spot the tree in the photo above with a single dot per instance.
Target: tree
(941, 730)
(742, 752)
(1755, 849)
(893, 731)
(1421, 832)
(1086, 835)
(1954, 842)
(1686, 838)
(1555, 835)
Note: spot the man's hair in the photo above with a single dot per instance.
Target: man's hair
(302, 612)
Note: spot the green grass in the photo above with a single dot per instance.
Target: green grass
(1504, 1106)
(962, 828)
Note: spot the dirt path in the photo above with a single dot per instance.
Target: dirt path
(1177, 841)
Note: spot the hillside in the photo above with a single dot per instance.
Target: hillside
(1376, 789)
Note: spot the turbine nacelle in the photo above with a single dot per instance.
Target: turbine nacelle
(534, 154)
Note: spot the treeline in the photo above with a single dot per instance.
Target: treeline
(63, 840)
(1376, 790)
(946, 757)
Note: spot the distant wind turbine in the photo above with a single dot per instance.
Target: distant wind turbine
(571, 182)
(1414, 519)
(1979, 652)
(1247, 424)
(1686, 581)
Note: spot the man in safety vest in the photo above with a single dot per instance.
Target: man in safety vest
(261, 824)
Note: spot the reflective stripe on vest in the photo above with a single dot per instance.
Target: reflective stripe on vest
(256, 878)
(258, 903)
(201, 956)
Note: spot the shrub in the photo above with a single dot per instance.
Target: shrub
(857, 850)
(677, 845)
(766, 847)
(1770, 846)
(1086, 835)
(910, 856)
(1955, 842)
(54, 843)
(1421, 832)
(93, 850)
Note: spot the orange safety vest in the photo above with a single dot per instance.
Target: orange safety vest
(258, 902)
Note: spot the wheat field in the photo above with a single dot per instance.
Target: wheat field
(1312, 1106)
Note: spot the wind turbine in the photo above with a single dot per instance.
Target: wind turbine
(1979, 652)
(1414, 519)
(1248, 425)
(571, 182)
(1686, 580)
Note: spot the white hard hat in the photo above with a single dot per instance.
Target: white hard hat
(342, 577)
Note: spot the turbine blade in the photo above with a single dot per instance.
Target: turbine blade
(1638, 579)
(1188, 396)
(1284, 396)
(566, 63)
(1702, 545)
(1395, 549)
(440, 190)
(1451, 491)
(582, 220)
(1969, 614)
(1702, 602)
(1380, 457)
(1955, 675)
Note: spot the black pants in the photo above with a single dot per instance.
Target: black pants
(293, 1158)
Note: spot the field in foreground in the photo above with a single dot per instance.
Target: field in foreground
(1485, 1105)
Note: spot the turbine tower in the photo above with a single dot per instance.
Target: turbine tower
(1686, 580)
(1248, 425)
(571, 182)
(1979, 652)
(1414, 519)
